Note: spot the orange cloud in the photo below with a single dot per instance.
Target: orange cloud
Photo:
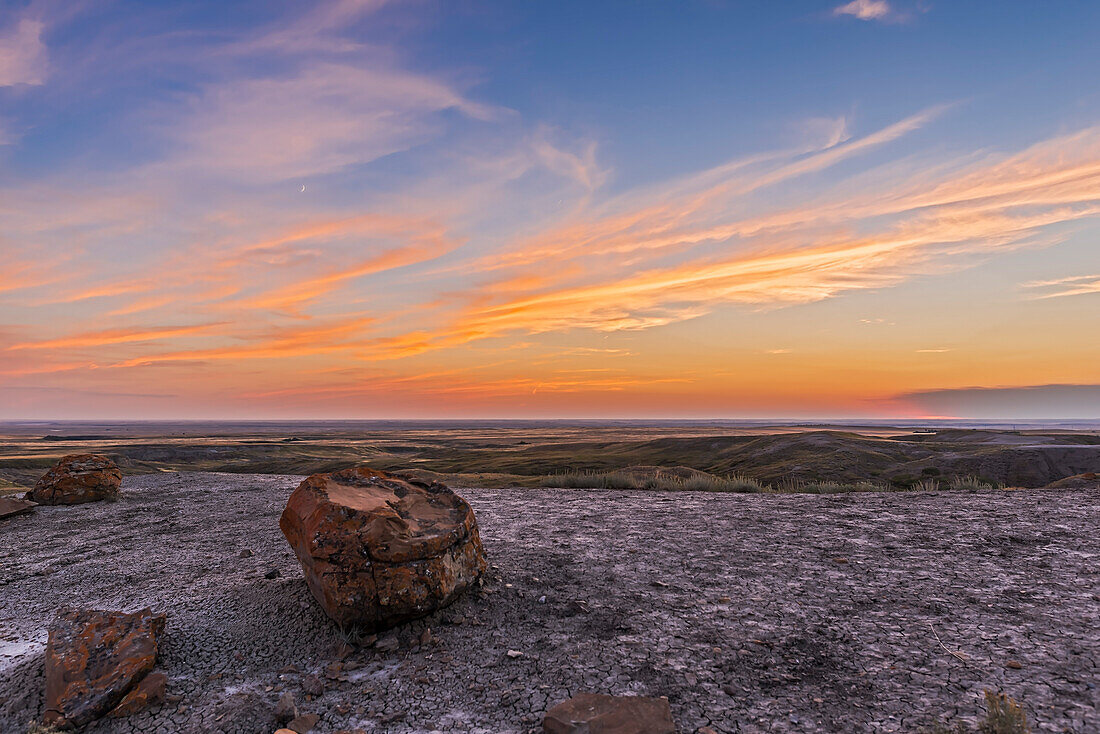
(114, 336)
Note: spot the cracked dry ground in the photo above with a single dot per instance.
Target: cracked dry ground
(750, 612)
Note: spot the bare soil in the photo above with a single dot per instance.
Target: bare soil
(865, 613)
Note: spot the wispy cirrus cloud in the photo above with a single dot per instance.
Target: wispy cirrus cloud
(24, 58)
(113, 336)
(1074, 285)
(316, 120)
(637, 264)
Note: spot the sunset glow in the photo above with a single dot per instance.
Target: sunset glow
(368, 209)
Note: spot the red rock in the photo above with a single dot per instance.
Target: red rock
(593, 713)
(379, 549)
(94, 658)
(11, 506)
(149, 692)
(78, 478)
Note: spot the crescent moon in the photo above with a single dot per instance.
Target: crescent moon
(303, 188)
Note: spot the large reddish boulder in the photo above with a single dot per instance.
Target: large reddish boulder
(378, 549)
(78, 478)
(94, 659)
(593, 713)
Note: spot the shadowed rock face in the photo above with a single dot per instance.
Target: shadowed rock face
(377, 549)
(94, 659)
(78, 478)
(592, 713)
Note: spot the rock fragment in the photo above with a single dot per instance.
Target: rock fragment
(378, 549)
(77, 478)
(149, 692)
(313, 686)
(303, 723)
(12, 506)
(593, 713)
(286, 709)
(94, 659)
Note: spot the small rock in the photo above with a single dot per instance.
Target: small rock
(290, 669)
(272, 574)
(303, 723)
(313, 686)
(333, 670)
(591, 712)
(286, 709)
(840, 559)
(246, 553)
(658, 584)
(514, 654)
(388, 643)
(542, 599)
(1014, 664)
(426, 637)
(706, 730)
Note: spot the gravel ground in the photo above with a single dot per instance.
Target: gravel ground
(751, 613)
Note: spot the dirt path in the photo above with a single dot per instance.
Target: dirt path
(751, 613)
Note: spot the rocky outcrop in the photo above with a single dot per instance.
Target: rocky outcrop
(11, 506)
(593, 713)
(1088, 480)
(378, 549)
(99, 660)
(78, 478)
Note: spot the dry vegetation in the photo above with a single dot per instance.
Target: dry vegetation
(1003, 715)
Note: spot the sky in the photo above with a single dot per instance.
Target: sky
(472, 209)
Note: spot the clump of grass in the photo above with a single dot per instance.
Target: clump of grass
(970, 483)
(711, 483)
(662, 482)
(592, 480)
(1003, 715)
(926, 485)
(794, 486)
(33, 727)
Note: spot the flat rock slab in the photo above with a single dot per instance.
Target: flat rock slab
(378, 549)
(11, 506)
(76, 479)
(594, 713)
(753, 627)
(94, 659)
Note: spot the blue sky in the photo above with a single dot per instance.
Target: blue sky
(383, 209)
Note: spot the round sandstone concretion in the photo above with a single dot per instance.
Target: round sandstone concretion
(77, 478)
(379, 549)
